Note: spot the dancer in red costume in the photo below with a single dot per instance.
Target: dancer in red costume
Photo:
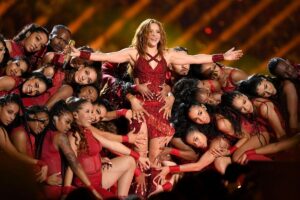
(10, 105)
(24, 136)
(30, 39)
(56, 148)
(150, 58)
(88, 144)
(228, 77)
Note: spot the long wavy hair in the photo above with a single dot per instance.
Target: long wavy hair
(140, 38)
(75, 104)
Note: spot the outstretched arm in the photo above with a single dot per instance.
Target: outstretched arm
(174, 57)
(279, 146)
(124, 55)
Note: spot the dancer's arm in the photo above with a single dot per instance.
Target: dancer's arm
(178, 58)
(291, 95)
(267, 111)
(279, 146)
(124, 55)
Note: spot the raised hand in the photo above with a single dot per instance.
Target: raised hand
(232, 54)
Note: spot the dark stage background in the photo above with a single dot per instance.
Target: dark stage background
(262, 28)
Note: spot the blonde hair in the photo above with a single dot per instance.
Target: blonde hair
(139, 40)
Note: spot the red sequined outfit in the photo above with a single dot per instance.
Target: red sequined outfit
(156, 124)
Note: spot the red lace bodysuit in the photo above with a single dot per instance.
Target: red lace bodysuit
(91, 163)
(156, 124)
(51, 156)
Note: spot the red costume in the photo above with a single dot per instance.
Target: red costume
(17, 49)
(156, 124)
(230, 86)
(30, 140)
(42, 99)
(51, 156)
(91, 163)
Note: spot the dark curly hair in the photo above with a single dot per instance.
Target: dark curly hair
(6, 54)
(30, 28)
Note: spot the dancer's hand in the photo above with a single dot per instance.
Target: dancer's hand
(143, 163)
(160, 179)
(42, 174)
(243, 159)
(164, 154)
(144, 90)
(232, 54)
(136, 138)
(74, 52)
(141, 184)
(138, 111)
(165, 89)
(54, 179)
(167, 108)
(129, 116)
(219, 152)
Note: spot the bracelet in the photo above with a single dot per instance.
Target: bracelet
(217, 57)
(137, 172)
(85, 55)
(125, 139)
(175, 152)
(167, 186)
(174, 169)
(134, 154)
(232, 149)
(121, 112)
(250, 152)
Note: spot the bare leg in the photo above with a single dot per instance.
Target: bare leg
(222, 163)
(143, 148)
(122, 170)
(253, 143)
